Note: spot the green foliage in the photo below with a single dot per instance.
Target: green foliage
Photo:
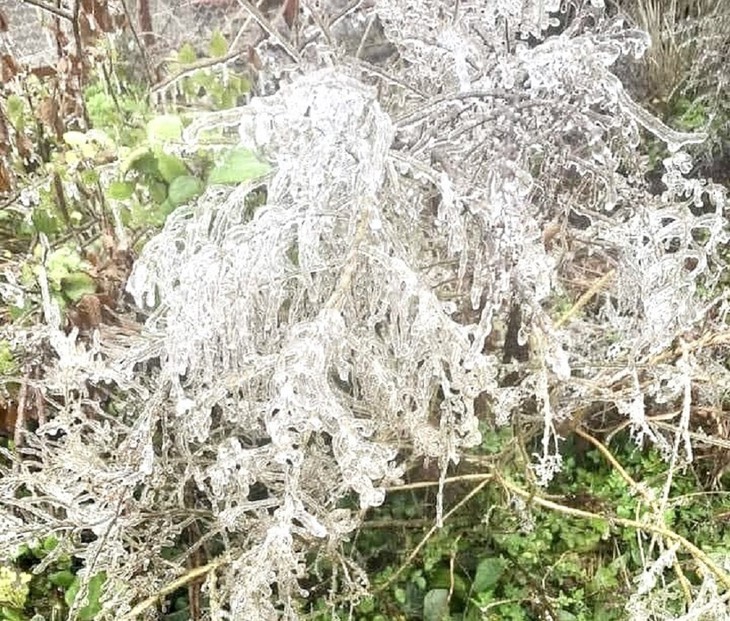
(95, 590)
(238, 165)
(149, 188)
(155, 180)
(164, 128)
(691, 115)
(130, 162)
(219, 91)
(488, 573)
(218, 45)
(14, 588)
(68, 275)
(8, 366)
(183, 189)
(44, 592)
(52, 592)
(125, 134)
(436, 605)
(122, 115)
(524, 563)
(17, 112)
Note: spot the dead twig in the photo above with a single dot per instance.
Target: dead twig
(188, 69)
(722, 576)
(50, 9)
(585, 298)
(264, 23)
(142, 48)
(173, 586)
(642, 491)
(20, 419)
(430, 534)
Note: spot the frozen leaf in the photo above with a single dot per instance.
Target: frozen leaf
(184, 188)
(237, 166)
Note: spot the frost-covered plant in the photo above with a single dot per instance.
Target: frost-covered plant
(684, 70)
(298, 349)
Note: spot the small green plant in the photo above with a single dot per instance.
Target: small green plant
(14, 590)
(51, 592)
(155, 179)
(8, 365)
(95, 591)
(219, 91)
(121, 115)
(690, 114)
(68, 275)
(521, 562)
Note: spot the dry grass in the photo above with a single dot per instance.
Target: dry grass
(679, 29)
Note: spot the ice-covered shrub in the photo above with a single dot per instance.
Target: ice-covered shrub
(298, 348)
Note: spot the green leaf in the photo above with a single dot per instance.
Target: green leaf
(170, 166)
(75, 286)
(181, 603)
(88, 612)
(400, 595)
(8, 365)
(165, 128)
(436, 605)
(15, 108)
(120, 190)
(49, 543)
(165, 209)
(489, 571)
(218, 45)
(366, 606)
(158, 191)
(70, 595)
(139, 159)
(89, 177)
(60, 263)
(20, 312)
(45, 221)
(238, 165)
(11, 614)
(96, 585)
(62, 579)
(184, 188)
